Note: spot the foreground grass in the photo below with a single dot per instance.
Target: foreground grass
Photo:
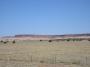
(45, 54)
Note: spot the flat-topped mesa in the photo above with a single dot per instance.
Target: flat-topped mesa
(34, 36)
(52, 36)
(47, 37)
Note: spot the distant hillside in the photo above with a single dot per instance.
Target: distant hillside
(67, 35)
(46, 37)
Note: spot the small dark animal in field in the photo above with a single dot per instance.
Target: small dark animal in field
(13, 41)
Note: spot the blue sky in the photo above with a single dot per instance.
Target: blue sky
(44, 17)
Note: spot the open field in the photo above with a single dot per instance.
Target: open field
(45, 54)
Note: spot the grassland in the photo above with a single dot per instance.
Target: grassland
(45, 54)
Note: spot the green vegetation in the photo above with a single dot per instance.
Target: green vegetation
(41, 40)
(13, 41)
(49, 40)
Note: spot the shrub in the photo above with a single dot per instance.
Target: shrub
(73, 39)
(13, 41)
(40, 40)
(1, 41)
(5, 42)
(88, 39)
(41, 61)
(68, 39)
(50, 41)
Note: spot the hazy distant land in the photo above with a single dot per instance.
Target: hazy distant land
(45, 50)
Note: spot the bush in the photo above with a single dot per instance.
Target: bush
(73, 39)
(41, 61)
(40, 40)
(1, 41)
(50, 41)
(68, 39)
(88, 39)
(13, 41)
(5, 42)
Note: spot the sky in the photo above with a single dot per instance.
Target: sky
(44, 17)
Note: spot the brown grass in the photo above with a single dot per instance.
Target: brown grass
(45, 54)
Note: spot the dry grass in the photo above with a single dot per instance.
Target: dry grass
(45, 54)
